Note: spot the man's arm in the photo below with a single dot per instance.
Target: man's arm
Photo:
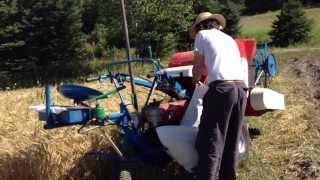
(198, 67)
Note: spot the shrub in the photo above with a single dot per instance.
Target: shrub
(291, 26)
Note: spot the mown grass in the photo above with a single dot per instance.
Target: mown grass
(258, 26)
(28, 151)
(288, 137)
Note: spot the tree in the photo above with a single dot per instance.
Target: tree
(259, 6)
(110, 19)
(231, 12)
(41, 41)
(11, 41)
(89, 15)
(159, 23)
(212, 6)
(291, 26)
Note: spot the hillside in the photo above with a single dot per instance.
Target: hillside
(258, 26)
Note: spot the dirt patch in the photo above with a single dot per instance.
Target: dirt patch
(308, 70)
(306, 169)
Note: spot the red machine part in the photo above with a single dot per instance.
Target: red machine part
(181, 59)
(247, 48)
(174, 110)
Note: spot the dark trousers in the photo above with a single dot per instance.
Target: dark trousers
(219, 130)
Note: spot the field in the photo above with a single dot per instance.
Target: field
(27, 151)
(288, 148)
(258, 26)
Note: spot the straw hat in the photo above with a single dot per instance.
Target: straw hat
(205, 16)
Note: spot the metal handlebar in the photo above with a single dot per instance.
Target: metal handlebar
(155, 62)
(99, 78)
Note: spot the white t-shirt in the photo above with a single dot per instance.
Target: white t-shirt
(222, 56)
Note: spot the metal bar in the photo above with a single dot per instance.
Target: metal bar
(155, 64)
(115, 147)
(125, 26)
(258, 78)
(49, 122)
(153, 87)
(150, 52)
(116, 84)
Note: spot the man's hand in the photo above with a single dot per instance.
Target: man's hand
(198, 67)
(196, 75)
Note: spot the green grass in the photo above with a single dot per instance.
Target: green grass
(258, 26)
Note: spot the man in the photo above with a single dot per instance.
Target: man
(224, 103)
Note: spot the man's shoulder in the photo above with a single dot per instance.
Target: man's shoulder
(214, 32)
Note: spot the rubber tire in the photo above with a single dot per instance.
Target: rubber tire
(125, 175)
(244, 142)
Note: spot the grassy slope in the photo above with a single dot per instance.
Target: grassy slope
(258, 26)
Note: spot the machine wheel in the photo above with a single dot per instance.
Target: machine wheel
(243, 146)
(125, 175)
(271, 65)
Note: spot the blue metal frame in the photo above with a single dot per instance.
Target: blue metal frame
(265, 63)
(49, 120)
(130, 135)
(160, 79)
(155, 62)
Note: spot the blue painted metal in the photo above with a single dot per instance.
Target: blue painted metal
(131, 137)
(143, 82)
(49, 120)
(155, 62)
(73, 115)
(116, 117)
(263, 61)
(258, 67)
(271, 65)
(174, 85)
(144, 151)
(261, 54)
(127, 117)
(178, 88)
(77, 93)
